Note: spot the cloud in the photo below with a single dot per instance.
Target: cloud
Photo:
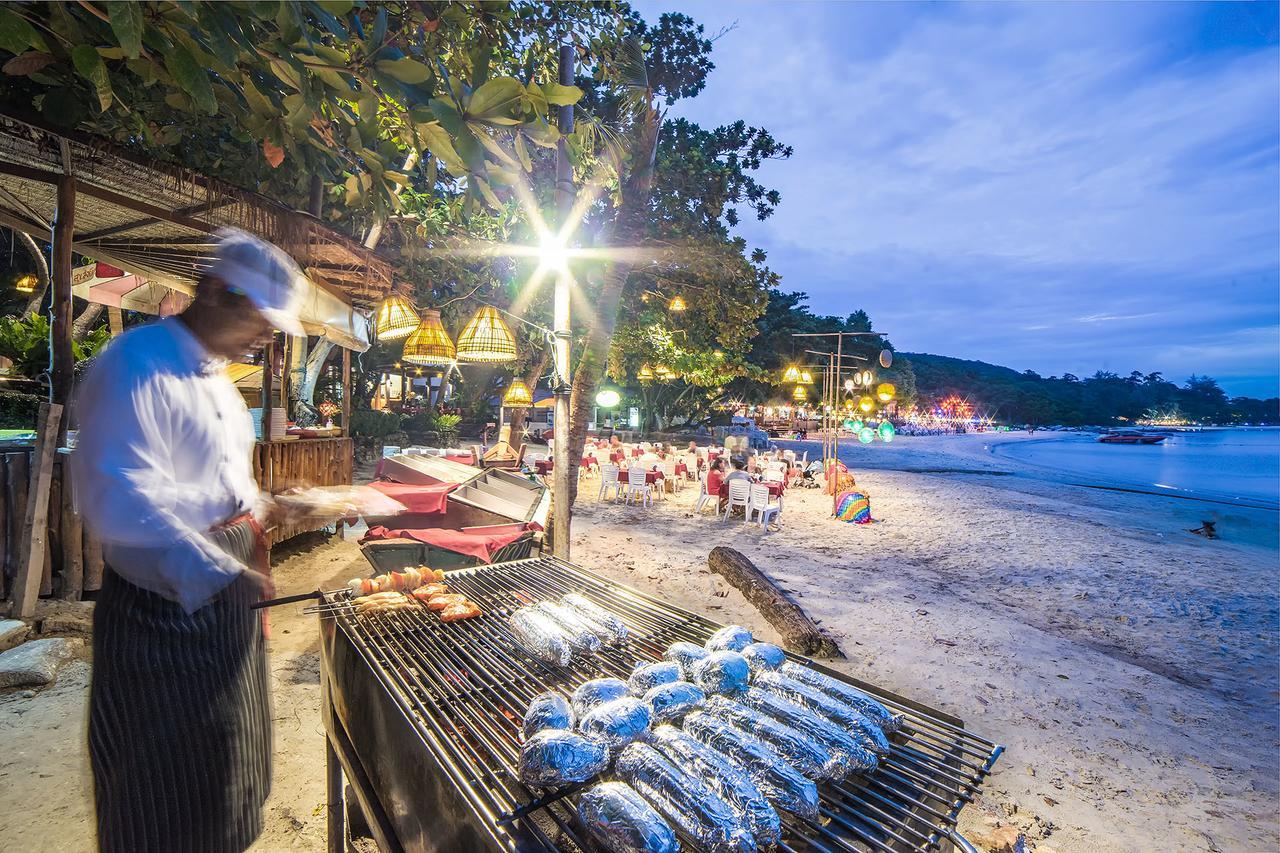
(1084, 182)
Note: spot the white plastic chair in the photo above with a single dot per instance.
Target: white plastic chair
(638, 485)
(705, 497)
(609, 480)
(669, 474)
(739, 495)
(774, 474)
(760, 507)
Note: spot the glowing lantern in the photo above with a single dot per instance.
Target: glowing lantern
(806, 378)
(886, 358)
(857, 380)
(885, 392)
(858, 425)
(866, 435)
(486, 338)
(664, 373)
(677, 304)
(328, 408)
(26, 284)
(608, 398)
(395, 318)
(518, 395)
(430, 344)
(866, 404)
(848, 385)
(887, 432)
(848, 403)
(867, 378)
(645, 374)
(791, 375)
(800, 394)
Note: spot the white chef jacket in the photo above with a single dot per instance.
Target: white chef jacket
(162, 456)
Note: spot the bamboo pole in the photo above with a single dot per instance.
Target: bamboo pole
(36, 527)
(63, 235)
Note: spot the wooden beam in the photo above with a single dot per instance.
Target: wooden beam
(35, 529)
(139, 223)
(63, 235)
(72, 539)
(268, 357)
(346, 391)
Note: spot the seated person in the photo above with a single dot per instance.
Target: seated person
(715, 476)
(738, 472)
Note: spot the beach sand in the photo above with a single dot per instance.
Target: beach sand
(1128, 666)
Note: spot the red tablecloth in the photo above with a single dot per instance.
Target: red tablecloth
(478, 542)
(635, 451)
(544, 466)
(650, 477)
(682, 468)
(417, 499)
(616, 457)
(775, 489)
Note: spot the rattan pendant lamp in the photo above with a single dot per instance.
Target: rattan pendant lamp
(486, 338)
(395, 318)
(430, 345)
(518, 395)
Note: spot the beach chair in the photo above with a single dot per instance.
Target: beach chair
(705, 498)
(739, 495)
(761, 508)
(638, 486)
(609, 480)
(669, 474)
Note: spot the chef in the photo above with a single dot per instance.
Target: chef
(179, 712)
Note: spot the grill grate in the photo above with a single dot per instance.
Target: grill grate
(466, 684)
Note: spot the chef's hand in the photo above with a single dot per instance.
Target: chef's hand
(261, 584)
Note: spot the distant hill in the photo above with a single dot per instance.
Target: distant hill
(1104, 398)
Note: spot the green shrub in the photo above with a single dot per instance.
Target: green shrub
(370, 424)
(18, 410)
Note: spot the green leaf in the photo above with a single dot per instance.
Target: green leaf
(91, 67)
(495, 149)
(542, 134)
(561, 96)
(439, 144)
(497, 101)
(522, 151)
(257, 101)
(405, 70)
(16, 35)
(126, 23)
(191, 77)
(335, 7)
(486, 191)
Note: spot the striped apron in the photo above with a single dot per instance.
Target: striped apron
(180, 716)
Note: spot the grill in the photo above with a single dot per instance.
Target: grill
(424, 718)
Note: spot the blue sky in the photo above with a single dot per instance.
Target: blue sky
(1063, 188)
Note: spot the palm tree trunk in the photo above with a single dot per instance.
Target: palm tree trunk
(42, 271)
(86, 321)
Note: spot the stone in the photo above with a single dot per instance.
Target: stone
(36, 663)
(12, 633)
(68, 623)
(1002, 839)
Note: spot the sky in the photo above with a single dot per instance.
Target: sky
(1062, 188)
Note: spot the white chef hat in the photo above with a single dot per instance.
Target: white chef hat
(270, 279)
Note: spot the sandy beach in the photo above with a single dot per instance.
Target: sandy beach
(1128, 666)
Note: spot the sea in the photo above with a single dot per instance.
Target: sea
(1232, 465)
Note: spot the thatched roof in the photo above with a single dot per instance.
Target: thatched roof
(157, 219)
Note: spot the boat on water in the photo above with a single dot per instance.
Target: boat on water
(1132, 437)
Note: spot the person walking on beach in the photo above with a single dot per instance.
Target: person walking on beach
(179, 709)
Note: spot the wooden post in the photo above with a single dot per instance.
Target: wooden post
(346, 392)
(72, 539)
(268, 358)
(93, 564)
(63, 233)
(115, 321)
(286, 377)
(36, 526)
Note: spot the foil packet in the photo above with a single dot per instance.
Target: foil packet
(554, 757)
(824, 705)
(840, 743)
(684, 800)
(607, 625)
(646, 676)
(777, 779)
(616, 723)
(595, 692)
(722, 672)
(580, 635)
(547, 710)
(764, 656)
(541, 637)
(801, 752)
(622, 822)
(720, 775)
(672, 701)
(685, 655)
(850, 695)
(731, 638)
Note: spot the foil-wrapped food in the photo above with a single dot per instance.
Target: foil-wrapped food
(722, 672)
(778, 780)
(582, 639)
(672, 701)
(683, 799)
(554, 757)
(732, 638)
(595, 692)
(825, 705)
(764, 656)
(851, 696)
(616, 723)
(646, 676)
(840, 743)
(720, 775)
(606, 625)
(804, 754)
(547, 710)
(622, 822)
(540, 636)
(685, 655)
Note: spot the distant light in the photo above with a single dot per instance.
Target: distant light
(608, 398)
(552, 253)
(677, 304)
(26, 284)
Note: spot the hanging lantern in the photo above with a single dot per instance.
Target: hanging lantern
(791, 375)
(608, 398)
(486, 338)
(887, 432)
(664, 373)
(518, 395)
(885, 392)
(848, 386)
(886, 358)
(430, 344)
(677, 303)
(858, 424)
(645, 374)
(848, 403)
(800, 394)
(866, 404)
(395, 318)
(856, 380)
(328, 408)
(26, 284)
(806, 378)
(866, 435)
(867, 378)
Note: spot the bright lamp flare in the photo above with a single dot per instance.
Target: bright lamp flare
(395, 318)
(608, 398)
(791, 375)
(866, 435)
(677, 303)
(487, 338)
(553, 254)
(848, 385)
(666, 374)
(518, 395)
(806, 378)
(866, 404)
(800, 393)
(885, 392)
(645, 373)
(26, 284)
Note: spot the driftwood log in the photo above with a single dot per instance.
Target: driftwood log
(799, 633)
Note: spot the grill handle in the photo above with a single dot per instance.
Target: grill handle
(961, 843)
(546, 800)
(316, 595)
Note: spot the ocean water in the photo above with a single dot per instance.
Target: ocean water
(1234, 465)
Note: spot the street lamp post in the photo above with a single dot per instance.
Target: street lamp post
(561, 470)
